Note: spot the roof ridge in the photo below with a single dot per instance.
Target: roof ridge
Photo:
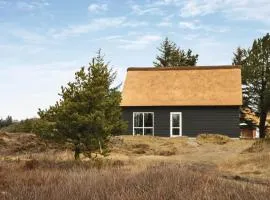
(211, 67)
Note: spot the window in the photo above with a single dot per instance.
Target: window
(143, 123)
(176, 124)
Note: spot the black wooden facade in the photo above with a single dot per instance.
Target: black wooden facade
(195, 119)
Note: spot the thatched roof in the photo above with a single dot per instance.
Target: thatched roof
(183, 86)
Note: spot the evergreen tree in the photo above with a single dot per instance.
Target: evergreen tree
(6, 122)
(88, 112)
(239, 56)
(256, 77)
(173, 56)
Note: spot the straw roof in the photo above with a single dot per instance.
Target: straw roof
(183, 86)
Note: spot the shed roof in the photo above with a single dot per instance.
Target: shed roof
(183, 86)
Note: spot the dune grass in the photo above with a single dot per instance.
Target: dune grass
(206, 167)
(83, 181)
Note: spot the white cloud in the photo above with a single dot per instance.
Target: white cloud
(3, 4)
(94, 25)
(135, 24)
(196, 25)
(188, 25)
(138, 10)
(29, 6)
(96, 8)
(108, 38)
(12, 50)
(236, 9)
(166, 21)
(164, 24)
(191, 36)
(166, 3)
(145, 9)
(140, 42)
(29, 36)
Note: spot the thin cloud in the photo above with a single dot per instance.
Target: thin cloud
(166, 21)
(3, 4)
(144, 9)
(94, 25)
(140, 42)
(234, 9)
(29, 6)
(135, 24)
(196, 25)
(164, 24)
(29, 37)
(97, 8)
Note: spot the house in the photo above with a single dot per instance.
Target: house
(183, 101)
(249, 123)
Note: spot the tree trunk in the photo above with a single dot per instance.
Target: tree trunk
(77, 152)
(100, 146)
(263, 116)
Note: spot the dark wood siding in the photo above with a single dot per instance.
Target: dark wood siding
(195, 120)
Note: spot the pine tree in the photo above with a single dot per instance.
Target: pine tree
(256, 77)
(173, 56)
(239, 56)
(88, 112)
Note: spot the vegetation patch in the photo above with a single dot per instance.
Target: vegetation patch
(259, 146)
(213, 138)
(162, 181)
(167, 152)
(140, 148)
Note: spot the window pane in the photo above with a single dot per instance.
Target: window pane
(148, 119)
(138, 119)
(138, 131)
(176, 131)
(175, 120)
(148, 131)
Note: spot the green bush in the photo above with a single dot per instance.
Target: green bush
(38, 126)
(6, 122)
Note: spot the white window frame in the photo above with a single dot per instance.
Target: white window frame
(180, 124)
(143, 127)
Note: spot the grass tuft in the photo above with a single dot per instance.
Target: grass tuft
(213, 138)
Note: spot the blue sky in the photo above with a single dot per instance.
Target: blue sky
(43, 42)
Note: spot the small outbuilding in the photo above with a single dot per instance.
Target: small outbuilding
(182, 101)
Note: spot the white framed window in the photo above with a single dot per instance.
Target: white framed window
(175, 124)
(143, 123)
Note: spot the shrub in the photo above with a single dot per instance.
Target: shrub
(167, 152)
(140, 148)
(213, 138)
(259, 145)
(31, 164)
(6, 122)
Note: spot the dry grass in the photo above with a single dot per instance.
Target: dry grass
(213, 138)
(259, 146)
(163, 181)
(253, 161)
(140, 167)
(148, 145)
